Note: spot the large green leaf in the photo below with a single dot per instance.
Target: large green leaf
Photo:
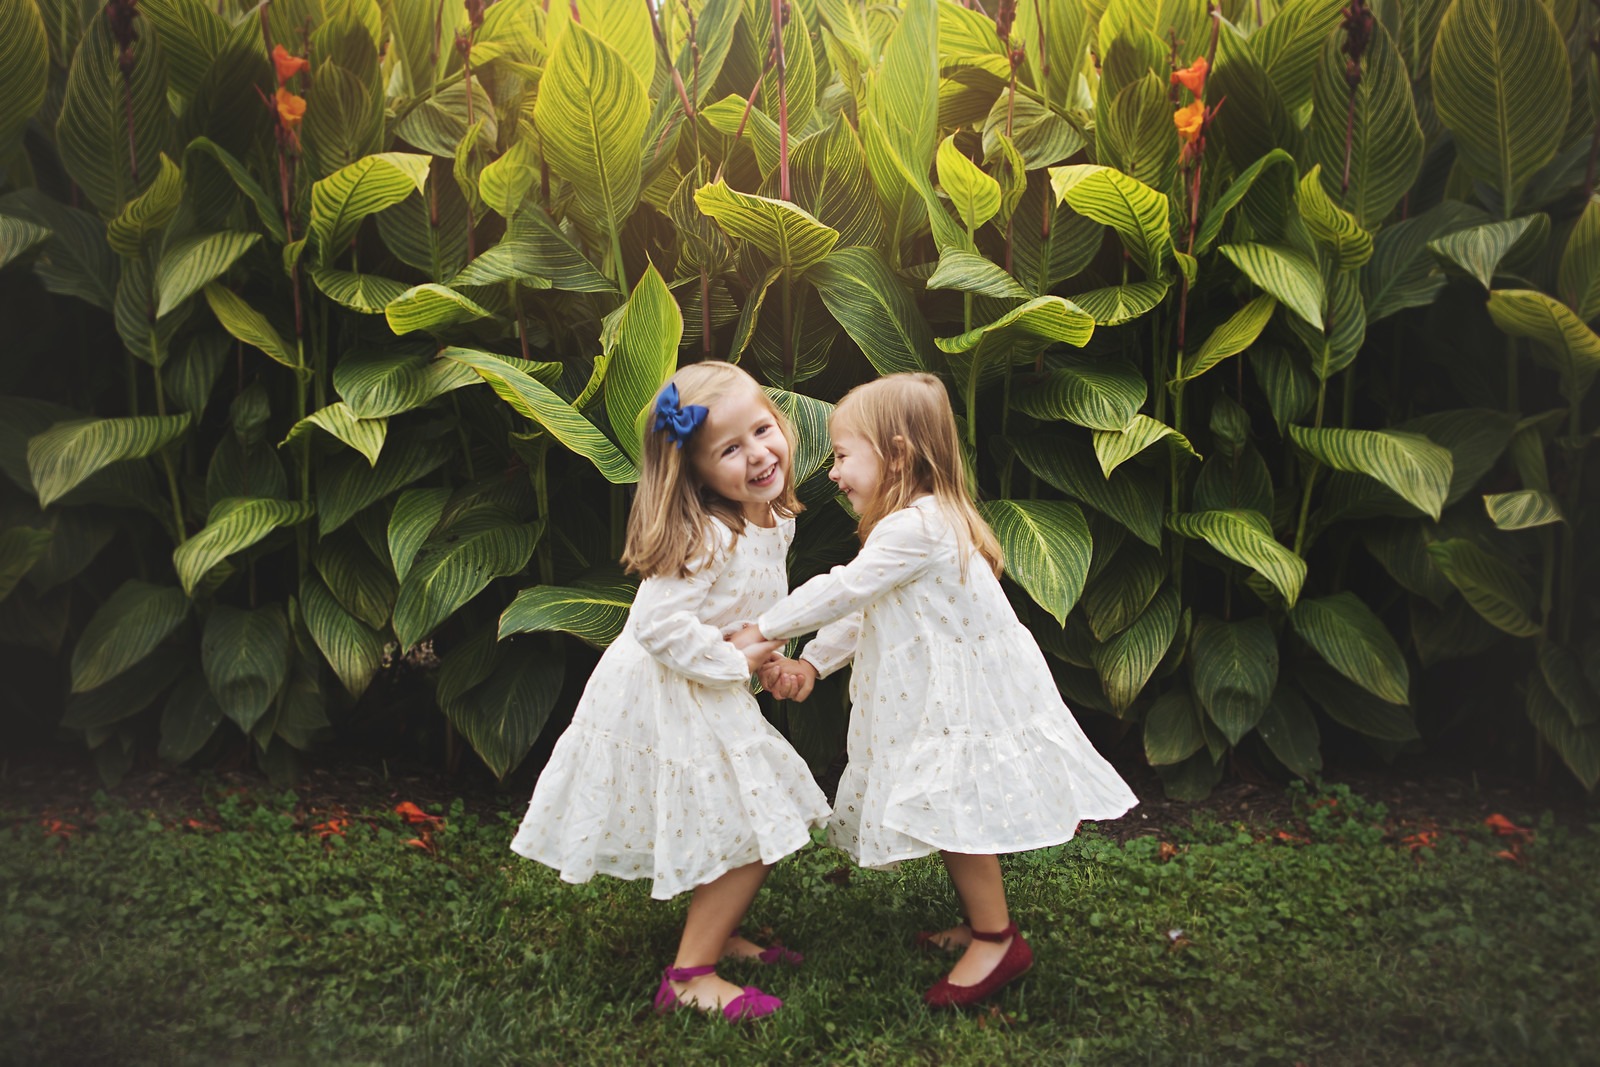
(1290, 731)
(976, 195)
(1346, 634)
(829, 179)
(233, 526)
(1560, 338)
(1564, 675)
(124, 630)
(1256, 119)
(268, 212)
(1501, 86)
(341, 200)
(249, 325)
(1172, 729)
(972, 273)
(1578, 746)
(1115, 447)
(591, 113)
(792, 237)
(246, 659)
(1130, 496)
(1126, 662)
(195, 263)
(375, 385)
(1348, 244)
(125, 695)
(113, 128)
(874, 307)
(1290, 42)
(594, 611)
(535, 401)
(347, 484)
(1488, 583)
(1137, 212)
(24, 67)
(1401, 273)
(1102, 394)
(455, 564)
(1235, 193)
(431, 307)
(1285, 273)
(1136, 134)
(360, 580)
(1114, 305)
(1230, 338)
(352, 648)
(1246, 537)
(1234, 670)
(1407, 463)
(1523, 509)
(1118, 596)
(17, 236)
(189, 718)
(63, 456)
(147, 214)
(643, 358)
(1579, 278)
(1478, 250)
(499, 697)
(809, 417)
(1045, 318)
(1047, 549)
(416, 514)
(366, 293)
(1350, 705)
(20, 548)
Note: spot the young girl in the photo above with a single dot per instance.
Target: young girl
(959, 742)
(669, 771)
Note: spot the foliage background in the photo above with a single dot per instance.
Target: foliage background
(331, 324)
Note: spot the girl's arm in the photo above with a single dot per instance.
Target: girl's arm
(834, 645)
(666, 622)
(897, 552)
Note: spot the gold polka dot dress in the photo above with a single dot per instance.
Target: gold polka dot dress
(669, 771)
(959, 739)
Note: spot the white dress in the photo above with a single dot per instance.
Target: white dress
(669, 771)
(959, 739)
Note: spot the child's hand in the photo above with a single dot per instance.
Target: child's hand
(788, 679)
(757, 649)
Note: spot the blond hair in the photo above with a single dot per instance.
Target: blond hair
(669, 527)
(907, 421)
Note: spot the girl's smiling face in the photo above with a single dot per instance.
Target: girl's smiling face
(857, 471)
(741, 455)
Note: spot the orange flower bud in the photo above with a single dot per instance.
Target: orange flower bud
(287, 63)
(291, 109)
(1193, 77)
(1189, 120)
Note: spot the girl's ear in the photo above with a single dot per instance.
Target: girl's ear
(897, 451)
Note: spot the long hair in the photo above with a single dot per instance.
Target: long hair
(669, 527)
(907, 421)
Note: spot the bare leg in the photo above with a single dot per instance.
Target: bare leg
(715, 910)
(983, 895)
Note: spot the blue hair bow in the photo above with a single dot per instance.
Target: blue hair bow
(679, 422)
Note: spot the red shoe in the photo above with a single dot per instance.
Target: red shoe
(1018, 958)
(927, 943)
(751, 1004)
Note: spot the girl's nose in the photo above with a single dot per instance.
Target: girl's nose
(833, 473)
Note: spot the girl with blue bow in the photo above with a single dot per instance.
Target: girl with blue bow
(669, 771)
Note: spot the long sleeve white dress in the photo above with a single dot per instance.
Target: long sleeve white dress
(959, 739)
(668, 770)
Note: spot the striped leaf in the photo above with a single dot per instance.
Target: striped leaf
(829, 179)
(147, 214)
(1579, 279)
(792, 237)
(1047, 549)
(1137, 212)
(875, 308)
(1101, 394)
(341, 200)
(1234, 194)
(364, 435)
(1115, 447)
(1385, 139)
(972, 273)
(809, 417)
(196, 263)
(20, 548)
(1350, 705)
(1117, 304)
(431, 307)
(124, 630)
(535, 248)
(505, 182)
(416, 513)
(104, 116)
(359, 580)
(1131, 496)
(976, 195)
(503, 714)
(624, 27)
(124, 696)
(1136, 134)
(1402, 548)
(1478, 250)
(234, 525)
(1563, 674)
(24, 67)
(366, 293)
(249, 325)
(193, 36)
(245, 655)
(352, 648)
(1489, 584)
(1407, 463)
(1234, 670)
(1231, 338)
(1126, 662)
(189, 718)
(1256, 119)
(591, 113)
(1578, 746)
(1561, 339)
(1246, 537)
(348, 484)
(1501, 86)
(535, 401)
(1523, 509)
(1348, 243)
(1120, 595)
(1285, 273)
(268, 212)
(377, 384)
(593, 611)
(455, 564)
(1345, 633)
(1055, 39)
(17, 236)
(1290, 730)
(1172, 729)
(1046, 318)
(1290, 43)
(643, 357)
(69, 452)
(1401, 273)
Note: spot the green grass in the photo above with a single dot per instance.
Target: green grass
(249, 940)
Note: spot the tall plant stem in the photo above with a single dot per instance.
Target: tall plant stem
(166, 453)
(783, 100)
(541, 494)
(1314, 467)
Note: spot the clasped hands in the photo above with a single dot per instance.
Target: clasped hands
(784, 678)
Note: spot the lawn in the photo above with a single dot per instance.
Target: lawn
(255, 928)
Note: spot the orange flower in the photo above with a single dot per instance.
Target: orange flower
(415, 816)
(1188, 120)
(1193, 77)
(288, 63)
(291, 109)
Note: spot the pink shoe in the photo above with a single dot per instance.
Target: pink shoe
(751, 1004)
(776, 953)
